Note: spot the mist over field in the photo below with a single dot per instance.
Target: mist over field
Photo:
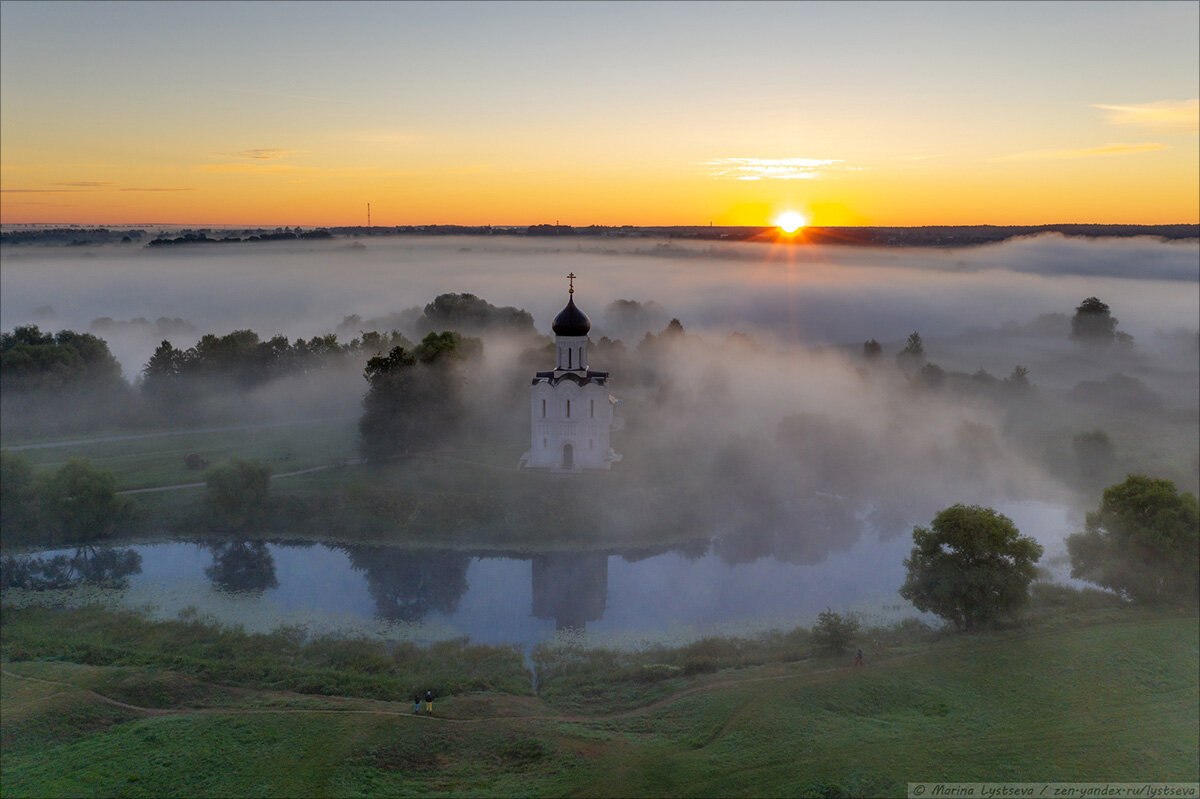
(761, 416)
(808, 295)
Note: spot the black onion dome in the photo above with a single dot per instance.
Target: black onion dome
(571, 321)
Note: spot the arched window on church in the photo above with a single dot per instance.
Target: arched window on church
(592, 408)
(543, 409)
(570, 353)
(568, 409)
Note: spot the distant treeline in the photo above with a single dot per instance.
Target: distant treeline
(925, 236)
(203, 238)
(77, 237)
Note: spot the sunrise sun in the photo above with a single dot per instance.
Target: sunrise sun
(790, 221)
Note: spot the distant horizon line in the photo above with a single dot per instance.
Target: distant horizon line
(264, 226)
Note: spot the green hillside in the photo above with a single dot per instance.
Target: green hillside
(1113, 696)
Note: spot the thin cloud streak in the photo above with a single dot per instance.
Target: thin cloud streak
(246, 169)
(772, 168)
(1172, 116)
(262, 153)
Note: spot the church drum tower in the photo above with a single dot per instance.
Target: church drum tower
(571, 412)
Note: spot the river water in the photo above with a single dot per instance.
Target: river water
(621, 598)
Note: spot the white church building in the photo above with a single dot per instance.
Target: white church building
(570, 411)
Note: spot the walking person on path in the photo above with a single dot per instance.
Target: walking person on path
(429, 703)
(858, 658)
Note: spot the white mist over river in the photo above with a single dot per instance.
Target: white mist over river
(811, 294)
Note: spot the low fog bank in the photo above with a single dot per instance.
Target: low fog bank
(814, 294)
(758, 420)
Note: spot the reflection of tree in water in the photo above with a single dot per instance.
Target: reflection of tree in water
(570, 587)
(805, 532)
(242, 567)
(407, 585)
(102, 566)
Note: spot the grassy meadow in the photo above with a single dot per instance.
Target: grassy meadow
(96, 703)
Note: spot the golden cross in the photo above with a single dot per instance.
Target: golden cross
(571, 277)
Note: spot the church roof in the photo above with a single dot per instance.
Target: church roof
(571, 321)
(553, 378)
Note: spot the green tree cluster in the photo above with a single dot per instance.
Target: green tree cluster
(31, 360)
(75, 503)
(1143, 542)
(243, 360)
(1093, 323)
(58, 383)
(471, 315)
(414, 399)
(970, 566)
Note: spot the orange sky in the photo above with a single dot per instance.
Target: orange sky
(644, 114)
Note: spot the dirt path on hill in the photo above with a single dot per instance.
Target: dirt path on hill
(177, 486)
(406, 712)
(394, 708)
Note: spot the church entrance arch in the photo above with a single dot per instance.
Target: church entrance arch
(568, 456)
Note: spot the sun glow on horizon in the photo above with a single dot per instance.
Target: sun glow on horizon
(790, 221)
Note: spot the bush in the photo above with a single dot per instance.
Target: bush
(833, 632)
(237, 491)
(79, 502)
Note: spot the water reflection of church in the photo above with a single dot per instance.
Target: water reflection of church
(570, 587)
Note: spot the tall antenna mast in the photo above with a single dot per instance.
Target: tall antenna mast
(368, 216)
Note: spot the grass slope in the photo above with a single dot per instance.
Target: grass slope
(1115, 698)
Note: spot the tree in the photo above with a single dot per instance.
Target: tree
(1093, 323)
(929, 376)
(1143, 541)
(161, 376)
(17, 511)
(414, 399)
(872, 349)
(833, 632)
(31, 360)
(1018, 381)
(79, 502)
(913, 354)
(467, 313)
(971, 566)
(237, 491)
